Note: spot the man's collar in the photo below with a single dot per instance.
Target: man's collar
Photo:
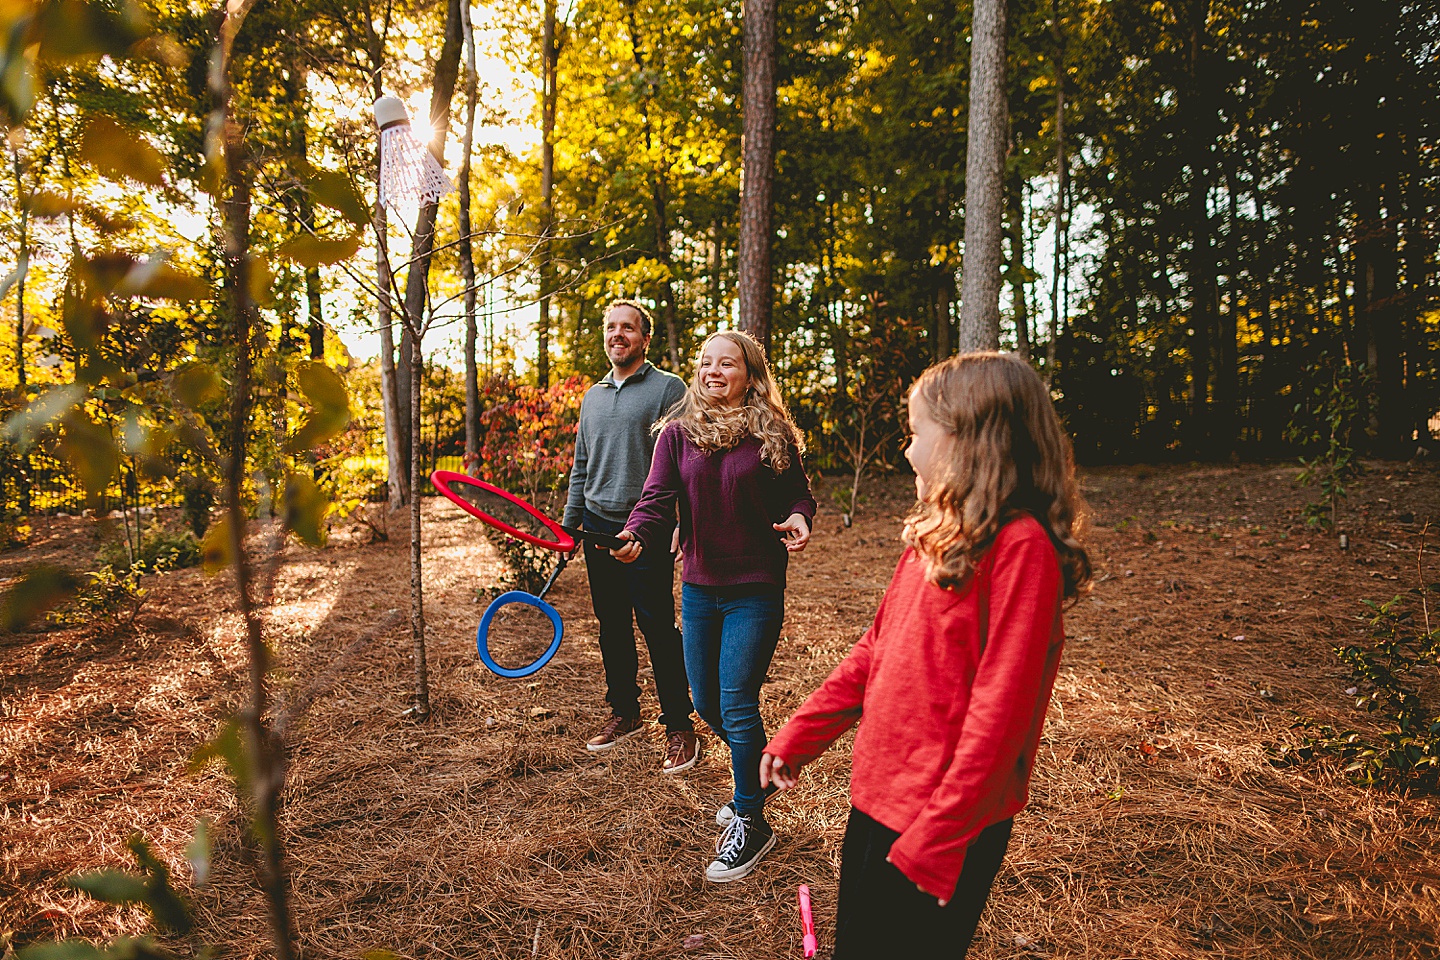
(609, 377)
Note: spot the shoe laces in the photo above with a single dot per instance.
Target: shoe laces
(732, 838)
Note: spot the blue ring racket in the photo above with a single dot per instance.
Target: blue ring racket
(513, 615)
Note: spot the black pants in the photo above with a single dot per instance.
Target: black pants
(643, 593)
(883, 914)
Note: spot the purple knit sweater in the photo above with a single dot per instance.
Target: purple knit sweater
(728, 501)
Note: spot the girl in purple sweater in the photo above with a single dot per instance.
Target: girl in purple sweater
(728, 458)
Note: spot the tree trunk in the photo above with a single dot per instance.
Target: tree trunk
(22, 267)
(943, 292)
(659, 191)
(395, 428)
(421, 707)
(1017, 271)
(1227, 373)
(417, 290)
(1201, 267)
(467, 251)
(1062, 211)
(757, 167)
(548, 93)
(397, 465)
(266, 756)
(417, 278)
(989, 132)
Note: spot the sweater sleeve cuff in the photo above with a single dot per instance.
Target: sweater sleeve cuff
(937, 876)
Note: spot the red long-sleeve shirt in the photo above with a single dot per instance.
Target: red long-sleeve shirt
(952, 687)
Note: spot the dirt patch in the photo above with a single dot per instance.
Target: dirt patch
(1157, 826)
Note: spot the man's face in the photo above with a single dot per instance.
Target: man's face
(625, 343)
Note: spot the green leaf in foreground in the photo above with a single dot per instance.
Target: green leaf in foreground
(334, 190)
(40, 589)
(306, 507)
(121, 153)
(110, 886)
(89, 448)
(329, 406)
(311, 251)
(216, 552)
(61, 950)
(195, 382)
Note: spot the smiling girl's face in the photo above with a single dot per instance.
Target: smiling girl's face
(722, 373)
(930, 443)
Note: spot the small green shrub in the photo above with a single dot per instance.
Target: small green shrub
(160, 549)
(1395, 676)
(1326, 421)
(197, 498)
(14, 533)
(108, 593)
(527, 566)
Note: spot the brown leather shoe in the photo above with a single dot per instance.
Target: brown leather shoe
(615, 730)
(682, 751)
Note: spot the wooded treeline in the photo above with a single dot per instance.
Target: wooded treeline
(1211, 209)
(1250, 190)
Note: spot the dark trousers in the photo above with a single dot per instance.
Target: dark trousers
(881, 913)
(641, 593)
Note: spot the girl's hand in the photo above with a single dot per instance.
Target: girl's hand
(917, 886)
(796, 531)
(776, 770)
(631, 551)
(675, 543)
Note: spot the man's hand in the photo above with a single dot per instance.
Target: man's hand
(631, 551)
(776, 770)
(796, 531)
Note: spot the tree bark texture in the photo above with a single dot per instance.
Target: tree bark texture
(989, 132)
(1201, 267)
(757, 167)
(1062, 193)
(417, 278)
(548, 93)
(467, 250)
(1017, 271)
(265, 749)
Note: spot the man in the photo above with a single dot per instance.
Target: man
(613, 447)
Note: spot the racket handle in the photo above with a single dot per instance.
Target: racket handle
(599, 539)
(807, 922)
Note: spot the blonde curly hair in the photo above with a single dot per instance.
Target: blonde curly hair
(762, 414)
(1010, 456)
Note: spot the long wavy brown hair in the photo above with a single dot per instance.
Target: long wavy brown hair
(1009, 455)
(762, 413)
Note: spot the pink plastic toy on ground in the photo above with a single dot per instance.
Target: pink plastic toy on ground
(807, 922)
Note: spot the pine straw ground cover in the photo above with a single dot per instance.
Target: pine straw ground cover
(1157, 826)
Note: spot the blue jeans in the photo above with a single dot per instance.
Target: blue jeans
(730, 635)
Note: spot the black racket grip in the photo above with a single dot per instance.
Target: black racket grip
(599, 539)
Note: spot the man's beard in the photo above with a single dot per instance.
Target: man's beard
(630, 355)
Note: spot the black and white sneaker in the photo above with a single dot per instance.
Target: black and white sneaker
(727, 813)
(744, 841)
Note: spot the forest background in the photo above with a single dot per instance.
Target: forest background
(1219, 242)
(1219, 218)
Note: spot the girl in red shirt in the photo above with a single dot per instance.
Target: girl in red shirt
(953, 679)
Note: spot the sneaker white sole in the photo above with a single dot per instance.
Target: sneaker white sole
(681, 768)
(597, 747)
(743, 870)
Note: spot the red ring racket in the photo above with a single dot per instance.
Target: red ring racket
(517, 625)
(512, 515)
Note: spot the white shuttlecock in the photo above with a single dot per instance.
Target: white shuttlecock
(409, 173)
